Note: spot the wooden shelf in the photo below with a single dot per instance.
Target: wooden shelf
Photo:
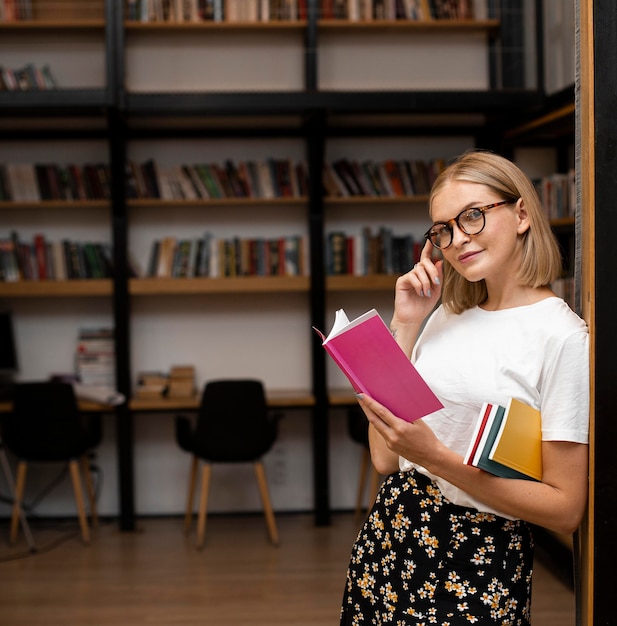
(60, 23)
(214, 202)
(275, 398)
(55, 205)
(423, 26)
(378, 282)
(563, 222)
(557, 122)
(45, 288)
(234, 284)
(358, 200)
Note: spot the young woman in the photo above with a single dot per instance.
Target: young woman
(447, 543)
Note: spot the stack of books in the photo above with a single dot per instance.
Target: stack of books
(95, 357)
(507, 441)
(181, 381)
(151, 385)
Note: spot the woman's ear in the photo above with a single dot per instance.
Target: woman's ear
(522, 217)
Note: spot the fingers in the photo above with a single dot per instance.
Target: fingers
(426, 273)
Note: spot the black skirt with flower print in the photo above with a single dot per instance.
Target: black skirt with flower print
(421, 560)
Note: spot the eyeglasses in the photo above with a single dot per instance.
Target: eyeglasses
(470, 221)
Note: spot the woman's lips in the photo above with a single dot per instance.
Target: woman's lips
(468, 256)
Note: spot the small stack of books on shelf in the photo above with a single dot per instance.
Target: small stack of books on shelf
(388, 179)
(216, 257)
(151, 384)
(370, 253)
(181, 382)
(95, 357)
(271, 178)
(178, 383)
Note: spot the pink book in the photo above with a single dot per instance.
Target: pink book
(367, 353)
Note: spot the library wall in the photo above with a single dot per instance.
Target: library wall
(266, 336)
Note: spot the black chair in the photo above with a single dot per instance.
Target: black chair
(233, 425)
(357, 427)
(46, 426)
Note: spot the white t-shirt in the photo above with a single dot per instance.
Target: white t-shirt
(538, 354)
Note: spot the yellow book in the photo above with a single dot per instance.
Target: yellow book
(518, 444)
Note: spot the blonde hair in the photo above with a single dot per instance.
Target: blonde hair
(541, 260)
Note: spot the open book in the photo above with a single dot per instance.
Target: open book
(507, 441)
(367, 353)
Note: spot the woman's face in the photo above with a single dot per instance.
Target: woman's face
(494, 254)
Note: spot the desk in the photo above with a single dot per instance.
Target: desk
(85, 406)
(276, 398)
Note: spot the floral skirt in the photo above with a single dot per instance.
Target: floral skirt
(421, 560)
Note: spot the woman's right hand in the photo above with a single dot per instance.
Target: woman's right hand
(418, 291)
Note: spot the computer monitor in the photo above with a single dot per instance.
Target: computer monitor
(8, 352)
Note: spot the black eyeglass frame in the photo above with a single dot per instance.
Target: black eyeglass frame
(482, 209)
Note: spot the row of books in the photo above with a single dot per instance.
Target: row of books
(180, 11)
(215, 257)
(13, 10)
(34, 182)
(368, 10)
(270, 178)
(390, 178)
(27, 78)
(367, 253)
(40, 259)
(558, 194)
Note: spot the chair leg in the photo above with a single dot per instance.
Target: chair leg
(364, 463)
(203, 505)
(84, 462)
(79, 499)
(6, 468)
(188, 515)
(20, 483)
(375, 483)
(267, 504)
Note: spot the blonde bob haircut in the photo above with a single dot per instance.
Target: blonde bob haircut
(541, 260)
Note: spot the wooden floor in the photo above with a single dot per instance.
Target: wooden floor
(155, 576)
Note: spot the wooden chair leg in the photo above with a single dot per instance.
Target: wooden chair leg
(84, 463)
(188, 515)
(364, 463)
(375, 484)
(203, 505)
(79, 499)
(20, 483)
(267, 504)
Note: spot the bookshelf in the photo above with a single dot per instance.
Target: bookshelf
(549, 131)
(244, 90)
